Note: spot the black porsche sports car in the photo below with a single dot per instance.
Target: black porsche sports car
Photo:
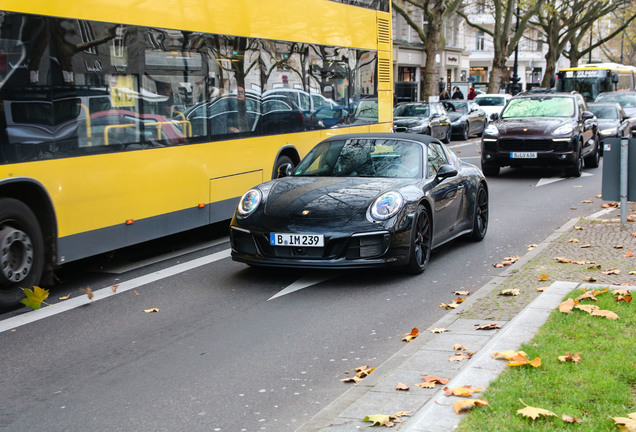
(362, 200)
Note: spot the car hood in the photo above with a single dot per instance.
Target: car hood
(608, 123)
(325, 197)
(455, 116)
(410, 121)
(631, 112)
(530, 125)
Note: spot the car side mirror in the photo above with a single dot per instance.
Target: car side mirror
(285, 170)
(587, 115)
(494, 116)
(446, 171)
(615, 78)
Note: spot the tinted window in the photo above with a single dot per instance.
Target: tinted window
(419, 110)
(604, 112)
(436, 158)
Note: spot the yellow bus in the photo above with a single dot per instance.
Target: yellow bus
(122, 122)
(595, 78)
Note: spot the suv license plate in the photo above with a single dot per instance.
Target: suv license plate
(302, 240)
(523, 155)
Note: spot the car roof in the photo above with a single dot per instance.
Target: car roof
(403, 136)
(484, 95)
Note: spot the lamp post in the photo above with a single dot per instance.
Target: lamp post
(516, 87)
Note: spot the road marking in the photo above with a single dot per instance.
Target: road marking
(546, 181)
(304, 282)
(66, 305)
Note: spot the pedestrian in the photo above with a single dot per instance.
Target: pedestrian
(444, 95)
(471, 93)
(457, 93)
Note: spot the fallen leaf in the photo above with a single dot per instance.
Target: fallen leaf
(88, 292)
(626, 298)
(543, 288)
(66, 297)
(435, 379)
(612, 272)
(629, 254)
(610, 205)
(587, 201)
(511, 292)
(605, 314)
(34, 298)
(567, 306)
(461, 356)
(459, 347)
(466, 404)
(621, 291)
(136, 293)
(426, 384)
(387, 420)
(521, 360)
(585, 246)
(463, 391)
(534, 412)
(402, 387)
(573, 240)
(578, 228)
(620, 246)
(543, 277)
(114, 288)
(408, 337)
(586, 295)
(568, 419)
(531, 246)
(590, 279)
(461, 293)
(586, 308)
(627, 424)
(438, 330)
(151, 310)
(492, 326)
(563, 260)
(508, 354)
(570, 357)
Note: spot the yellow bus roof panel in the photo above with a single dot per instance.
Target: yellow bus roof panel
(311, 21)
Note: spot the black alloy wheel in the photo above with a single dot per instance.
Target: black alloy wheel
(480, 216)
(21, 252)
(447, 137)
(466, 134)
(421, 241)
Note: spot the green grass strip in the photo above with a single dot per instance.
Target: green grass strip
(601, 386)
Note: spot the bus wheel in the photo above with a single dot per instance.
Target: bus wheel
(280, 162)
(21, 252)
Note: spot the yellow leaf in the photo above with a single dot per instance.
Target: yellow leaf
(544, 277)
(88, 292)
(466, 404)
(66, 297)
(627, 424)
(408, 337)
(438, 330)
(507, 355)
(151, 310)
(585, 246)
(533, 412)
(35, 298)
(426, 385)
(459, 347)
(463, 391)
(586, 295)
(570, 357)
(511, 292)
(578, 228)
(586, 308)
(605, 314)
(567, 306)
(402, 387)
(573, 240)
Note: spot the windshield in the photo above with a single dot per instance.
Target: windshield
(363, 158)
(461, 107)
(419, 110)
(624, 99)
(490, 101)
(540, 106)
(604, 112)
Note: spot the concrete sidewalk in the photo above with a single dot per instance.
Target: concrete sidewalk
(429, 353)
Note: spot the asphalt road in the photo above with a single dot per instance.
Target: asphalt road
(238, 349)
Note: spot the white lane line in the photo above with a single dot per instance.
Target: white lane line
(66, 305)
(304, 282)
(546, 181)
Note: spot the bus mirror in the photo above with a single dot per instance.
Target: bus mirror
(615, 78)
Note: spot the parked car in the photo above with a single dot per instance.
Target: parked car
(492, 102)
(612, 121)
(362, 200)
(423, 118)
(542, 129)
(626, 99)
(466, 117)
(329, 116)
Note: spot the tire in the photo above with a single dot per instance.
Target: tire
(466, 133)
(421, 241)
(447, 138)
(280, 162)
(576, 168)
(21, 252)
(480, 215)
(593, 160)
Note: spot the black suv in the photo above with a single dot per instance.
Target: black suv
(542, 129)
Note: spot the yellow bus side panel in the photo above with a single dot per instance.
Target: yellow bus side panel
(320, 22)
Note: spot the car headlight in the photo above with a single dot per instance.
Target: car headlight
(565, 129)
(249, 202)
(612, 131)
(491, 129)
(386, 205)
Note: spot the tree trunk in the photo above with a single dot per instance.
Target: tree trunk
(497, 73)
(430, 86)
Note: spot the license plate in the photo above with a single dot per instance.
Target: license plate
(300, 240)
(523, 155)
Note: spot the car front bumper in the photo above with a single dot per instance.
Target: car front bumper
(527, 152)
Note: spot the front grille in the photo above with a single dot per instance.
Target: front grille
(526, 145)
